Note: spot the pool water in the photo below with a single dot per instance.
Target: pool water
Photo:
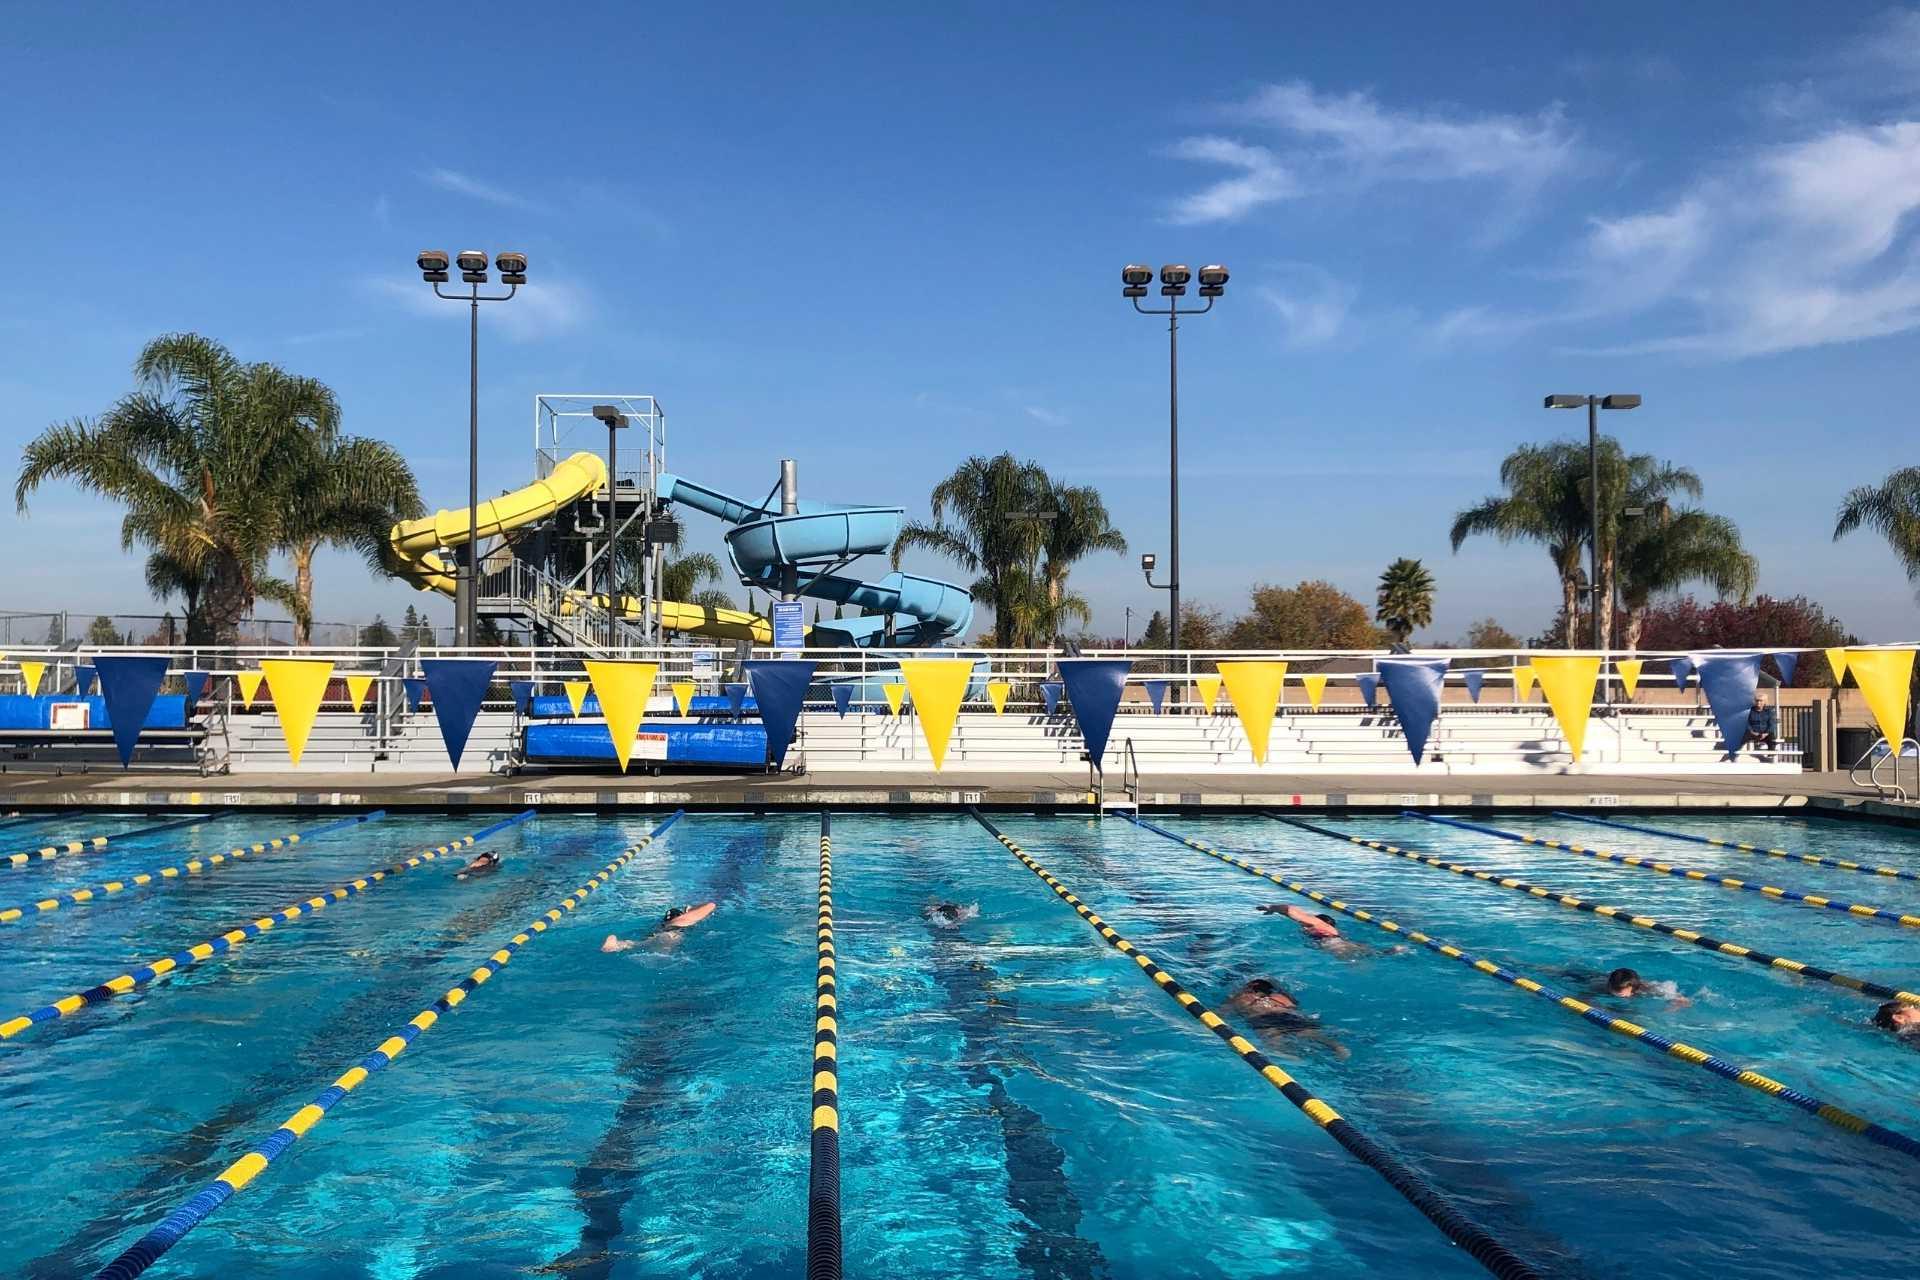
(1017, 1100)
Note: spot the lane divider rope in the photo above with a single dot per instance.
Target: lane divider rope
(1739, 846)
(227, 941)
(1454, 1224)
(1836, 1116)
(192, 866)
(91, 844)
(823, 1177)
(1771, 892)
(147, 1250)
(1621, 915)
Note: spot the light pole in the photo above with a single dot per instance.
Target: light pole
(1173, 287)
(473, 273)
(1593, 404)
(615, 420)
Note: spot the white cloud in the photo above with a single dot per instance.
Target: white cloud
(544, 309)
(1262, 180)
(465, 185)
(1047, 417)
(1312, 305)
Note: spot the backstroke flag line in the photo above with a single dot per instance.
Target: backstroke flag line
(576, 693)
(1156, 694)
(1094, 686)
(1522, 682)
(30, 673)
(1254, 690)
(249, 682)
(1568, 683)
(1788, 664)
(459, 686)
(1729, 680)
(896, 694)
(297, 685)
(842, 698)
(83, 680)
(1475, 678)
(1208, 688)
(1883, 676)
(1682, 669)
(128, 686)
(779, 687)
(938, 687)
(1369, 685)
(1629, 669)
(1050, 690)
(622, 688)
(997, 691)
(357, 687)
(1414, 687)
(1837, 660)
(415, 689)
(1316, 687)
(682, 694)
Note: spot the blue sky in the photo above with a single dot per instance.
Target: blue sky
(877, 240)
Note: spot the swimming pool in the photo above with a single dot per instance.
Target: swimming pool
(1016, 1099)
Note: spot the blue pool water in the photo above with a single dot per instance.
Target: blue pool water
(1017, 1099)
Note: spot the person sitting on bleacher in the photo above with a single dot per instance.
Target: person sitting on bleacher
(1762, 727)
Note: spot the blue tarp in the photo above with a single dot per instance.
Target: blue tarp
(556, 706)
(34, 711)
(729, 744)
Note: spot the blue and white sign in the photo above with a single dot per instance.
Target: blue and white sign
(789, 624)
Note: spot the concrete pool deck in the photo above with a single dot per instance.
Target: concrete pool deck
(866, 789)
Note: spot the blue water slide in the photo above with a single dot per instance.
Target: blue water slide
(764, 544)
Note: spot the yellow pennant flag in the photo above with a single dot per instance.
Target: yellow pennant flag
(896, 694)
(939, 686)
(682, 694)
(1316, 689)
(1568, 684)
(1837, 659)
(1629, 669)
(623, 689)
(1522, 683)
(30, 673)
(357, 687)
(1883, 676)
(249, 682)
(997, 691)
(576, 693)
(1254, 688)
(297, 685)
(1209, 690)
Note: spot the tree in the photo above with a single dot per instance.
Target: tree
(378, 635)
(1688, 626)
(1405, 598)
(1312, 615)
(1488, 634)
(1664, 550)
(345, 491)
(102, 631)
(1155, 635)
(1890, 509)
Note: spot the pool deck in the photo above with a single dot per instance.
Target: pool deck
(879, 790)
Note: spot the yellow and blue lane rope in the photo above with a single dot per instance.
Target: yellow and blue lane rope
(1836, 1116)
(1621, 915)
(149, 1248)
(191, 867)
(823, 1175)
(227, 941)
(1454, 1224)
(90, 844)
(1773, 892)
(1741, 846)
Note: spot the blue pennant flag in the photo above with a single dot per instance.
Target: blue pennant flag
(1093, 688)
(83, 680)
(1788, 663)
(1682, 668)
(1368, 681)
(1156, 694)
(128, 685)
(1051, 692)
(1475, 678)
(416, 690)
(196, 688)
(736, 697)
(779, 687)
(1414, 687)
(1729, 681)
(522, 695)
(458, 686)
(842, 698)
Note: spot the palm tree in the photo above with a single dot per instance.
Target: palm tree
(350, 493)
(1663, 550)
(1080, 527)
(1892, 510)
(168, 577)
(1405, 598)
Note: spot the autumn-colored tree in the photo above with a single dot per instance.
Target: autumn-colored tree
(1762, 623)
(1311, 615)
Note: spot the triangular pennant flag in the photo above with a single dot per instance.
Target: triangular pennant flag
(1568, 684)
(357, 687)
(128, 686)
(997, 691)
(623, 689)
(1208, 687)
(779, 687)
(1475, 679)
(1157, 694)
(30, 673)
(416, 691)
(1729, 681)
(297, 685)
(736, 697)
(1316, 687)
(576, 693)
(1254, 690)
(1629, 669)
(1837, 660)
(895, 694)
(1884, 676)
(459, 686)
(249, 682)
(939, 686)
(196, 687)
(522, 691)
(1094, 686)
(1522, 683)
(1051, 691)
(682, 694)
(1788, 664)
(1682, 669)
(843, 698)
(83, 680)
(1415, 690)
(1368, 683)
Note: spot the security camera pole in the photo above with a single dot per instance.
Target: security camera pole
(433, 265)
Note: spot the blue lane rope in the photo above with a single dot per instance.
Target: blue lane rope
(1772, 892)
(89, 844)
(1454, 1224)
(147, 1250)
(1836, 1116)
(191, 867)
(823, 1175)
(1740, 846)
(1621, 915)
(235, 937)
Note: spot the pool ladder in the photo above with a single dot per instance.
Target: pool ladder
(1895, 789)
(1129, 782)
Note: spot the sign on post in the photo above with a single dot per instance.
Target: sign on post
(789, 625)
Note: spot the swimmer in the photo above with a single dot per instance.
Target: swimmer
(949, 915)
(1626, 984)
(673, 926)
(481, 865)
(1270, 1008)
(1321, 931)
(1900, 1018)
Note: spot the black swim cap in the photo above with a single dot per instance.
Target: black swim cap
(1622, 978)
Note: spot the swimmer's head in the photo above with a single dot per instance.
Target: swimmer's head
(1623, 982)
(1268, 987)
(1327, 918)
(1899, 1018)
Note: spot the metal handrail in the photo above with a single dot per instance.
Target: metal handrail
(1130, 772)
(1896, 788)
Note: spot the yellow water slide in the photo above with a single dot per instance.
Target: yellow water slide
(417, 544)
